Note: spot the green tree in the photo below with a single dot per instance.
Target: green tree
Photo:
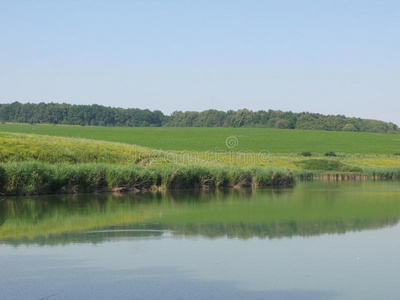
(349, 127)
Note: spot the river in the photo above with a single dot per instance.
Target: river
(318, 240)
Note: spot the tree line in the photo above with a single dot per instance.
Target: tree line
(97, 115)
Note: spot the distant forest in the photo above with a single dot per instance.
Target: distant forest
(97, 115)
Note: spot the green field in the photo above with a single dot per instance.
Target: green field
(16, 147)
(283, 141)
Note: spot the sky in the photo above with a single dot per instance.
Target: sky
(330, 57)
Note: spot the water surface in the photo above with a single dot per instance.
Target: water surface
(315, 241)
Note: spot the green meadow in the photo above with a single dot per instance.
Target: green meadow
(284, 141)
(16, 147)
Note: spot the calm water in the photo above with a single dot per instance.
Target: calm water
(315, 241)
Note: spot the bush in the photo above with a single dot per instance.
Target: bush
(330, 154)
(306, 153)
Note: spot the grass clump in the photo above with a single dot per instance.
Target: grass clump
(272, 177)
(30, 177)
(189, 177)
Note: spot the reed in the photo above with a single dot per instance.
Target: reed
(383, 173)
(364, 174)
(34, 177)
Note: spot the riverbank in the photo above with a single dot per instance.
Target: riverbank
(34, 164)
(36, 178)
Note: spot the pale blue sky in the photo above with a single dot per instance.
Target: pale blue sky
(326, 56)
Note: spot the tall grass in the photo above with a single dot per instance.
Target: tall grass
(39, 178)
(24, 178)
(383, 173)
(364, 174)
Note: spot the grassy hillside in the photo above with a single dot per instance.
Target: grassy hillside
(29, 147)
(48, 149)
(208, 139)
